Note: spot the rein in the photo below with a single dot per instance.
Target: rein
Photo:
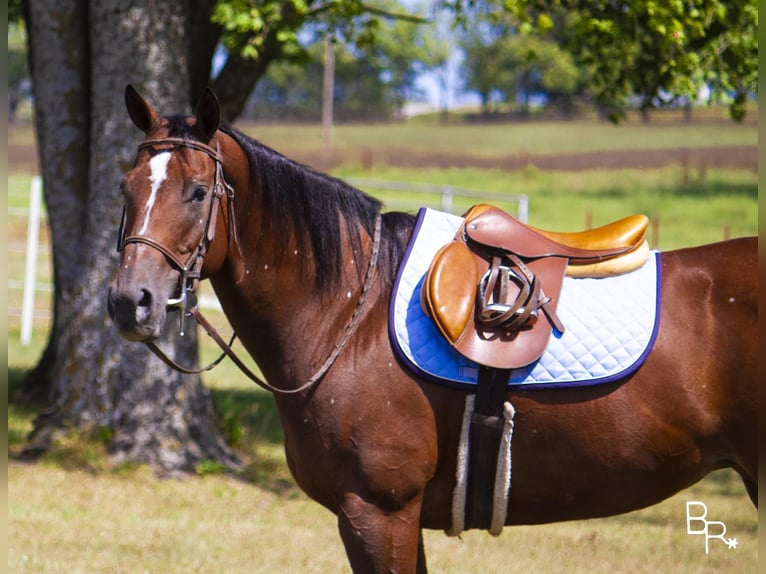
(191, 273)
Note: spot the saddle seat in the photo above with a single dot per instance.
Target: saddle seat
(612, 249)
(489, 289)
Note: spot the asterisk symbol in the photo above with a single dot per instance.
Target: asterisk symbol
(732, 543)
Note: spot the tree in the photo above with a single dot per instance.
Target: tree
(537, 65)
(661, 51)
(372, 79)
(517, 66)
(258, 32)
(294, 91)
(483, 70)
(81, 55)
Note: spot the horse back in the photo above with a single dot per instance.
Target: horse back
(710, 311)
(723, 277)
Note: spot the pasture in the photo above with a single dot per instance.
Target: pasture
(75, 512)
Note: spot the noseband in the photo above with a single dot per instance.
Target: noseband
(191, 270)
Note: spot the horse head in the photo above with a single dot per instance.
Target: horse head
(172, 198)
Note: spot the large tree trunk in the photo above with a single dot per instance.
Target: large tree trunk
(82, 58)
(58, 56)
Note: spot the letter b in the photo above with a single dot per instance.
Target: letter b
(696, 517)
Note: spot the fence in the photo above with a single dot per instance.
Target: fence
(446, 193)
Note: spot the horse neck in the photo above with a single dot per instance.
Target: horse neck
(268, 293)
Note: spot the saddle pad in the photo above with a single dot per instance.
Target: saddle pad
(610, 324)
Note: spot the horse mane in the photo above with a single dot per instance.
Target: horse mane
(314, 208)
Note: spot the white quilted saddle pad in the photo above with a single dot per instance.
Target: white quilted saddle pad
(610, 324)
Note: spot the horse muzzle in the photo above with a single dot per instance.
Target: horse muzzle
(137, 312)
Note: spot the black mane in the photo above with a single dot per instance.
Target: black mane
(313, 207)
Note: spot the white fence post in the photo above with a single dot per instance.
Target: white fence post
(30, 269)
(523, 208)
(447, 198)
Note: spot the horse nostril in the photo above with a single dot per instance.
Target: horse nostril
(146, 299)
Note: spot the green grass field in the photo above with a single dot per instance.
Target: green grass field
(488, 140)
(73, 512)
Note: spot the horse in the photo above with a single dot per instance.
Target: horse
(303, 265)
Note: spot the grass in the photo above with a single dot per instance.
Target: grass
(497, 140)
(129, 521)
(699, 210)
(74, 512)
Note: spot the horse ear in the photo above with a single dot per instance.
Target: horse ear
(208, 112)
(140, 111)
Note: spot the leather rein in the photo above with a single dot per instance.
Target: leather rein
(191, 270)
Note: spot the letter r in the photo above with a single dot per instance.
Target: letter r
(721, 535)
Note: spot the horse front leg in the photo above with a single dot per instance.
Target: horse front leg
(379, 540)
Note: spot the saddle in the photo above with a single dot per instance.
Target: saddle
(493, 291)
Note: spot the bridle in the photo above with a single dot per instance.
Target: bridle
(191, 269)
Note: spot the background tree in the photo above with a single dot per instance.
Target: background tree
(516, 67)
(259, 32)
(483, 66)
(537, 66)
(660, 51)
(373, 80)
(439, 47)
(81, 55)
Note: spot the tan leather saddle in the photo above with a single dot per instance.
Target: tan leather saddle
(494, 290)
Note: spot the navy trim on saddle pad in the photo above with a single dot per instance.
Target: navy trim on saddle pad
(610, 324)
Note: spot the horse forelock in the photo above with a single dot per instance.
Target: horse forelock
(315, 209)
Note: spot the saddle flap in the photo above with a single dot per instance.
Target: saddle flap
(511, 349)
(449, 289)
(449, 297)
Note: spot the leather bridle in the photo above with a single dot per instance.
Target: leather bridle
(191, 269)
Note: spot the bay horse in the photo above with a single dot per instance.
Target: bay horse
(298, 258)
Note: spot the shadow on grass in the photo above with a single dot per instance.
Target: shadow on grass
(249, 423)
(247, 416)
(18, 412)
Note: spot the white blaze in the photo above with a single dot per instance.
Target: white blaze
(159, 166)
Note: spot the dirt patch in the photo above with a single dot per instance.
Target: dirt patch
(733, 157)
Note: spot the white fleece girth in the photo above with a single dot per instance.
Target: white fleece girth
(502, 472)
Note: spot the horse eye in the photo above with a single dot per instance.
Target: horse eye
(199, 195)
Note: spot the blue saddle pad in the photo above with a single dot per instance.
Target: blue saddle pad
(610, 324)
